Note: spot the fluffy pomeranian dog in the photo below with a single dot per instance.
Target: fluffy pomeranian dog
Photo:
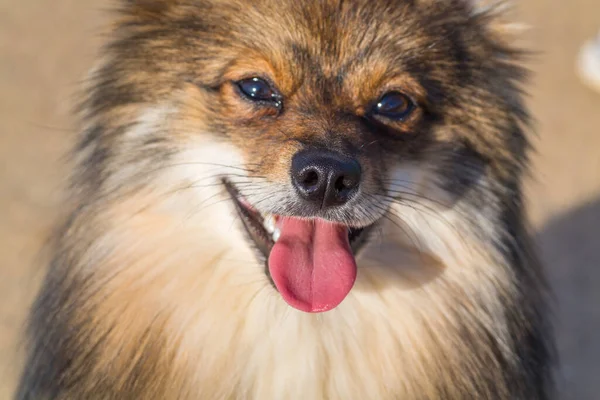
(297, 200)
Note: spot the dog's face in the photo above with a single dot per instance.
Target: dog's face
(315, 118)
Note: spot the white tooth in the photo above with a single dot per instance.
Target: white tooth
(269, 223)
(276, 234)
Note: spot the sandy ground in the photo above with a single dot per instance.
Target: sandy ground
(47, 46)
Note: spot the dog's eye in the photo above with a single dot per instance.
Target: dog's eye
(258, 90)
(394, 105)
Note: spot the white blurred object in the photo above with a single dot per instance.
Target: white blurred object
(588, 64)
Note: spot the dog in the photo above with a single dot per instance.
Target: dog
(297, 200)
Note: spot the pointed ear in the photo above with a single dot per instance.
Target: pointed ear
(499, 16)
(147, 8)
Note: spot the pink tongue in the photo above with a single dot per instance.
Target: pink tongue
(312, 264)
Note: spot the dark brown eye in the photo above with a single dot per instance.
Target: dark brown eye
(394, 105)
(258, 89)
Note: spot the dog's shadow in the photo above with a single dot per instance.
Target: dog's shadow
(570, 246)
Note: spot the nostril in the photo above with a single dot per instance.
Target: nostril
(343, 187)
(341, 184)
(310, 178)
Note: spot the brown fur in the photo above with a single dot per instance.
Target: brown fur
(155, 293)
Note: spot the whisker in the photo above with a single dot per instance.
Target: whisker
(413, 238)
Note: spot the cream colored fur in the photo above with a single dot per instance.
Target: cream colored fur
(178, 254)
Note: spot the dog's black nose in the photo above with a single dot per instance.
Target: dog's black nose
(325, 177)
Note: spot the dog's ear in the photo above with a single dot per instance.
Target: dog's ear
(490, 5)
(148, 8)
(498, 14)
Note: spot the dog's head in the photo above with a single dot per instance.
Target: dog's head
(315, 120)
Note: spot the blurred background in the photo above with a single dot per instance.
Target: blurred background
(46, 47)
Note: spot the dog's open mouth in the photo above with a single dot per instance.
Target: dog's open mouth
(311, 261)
